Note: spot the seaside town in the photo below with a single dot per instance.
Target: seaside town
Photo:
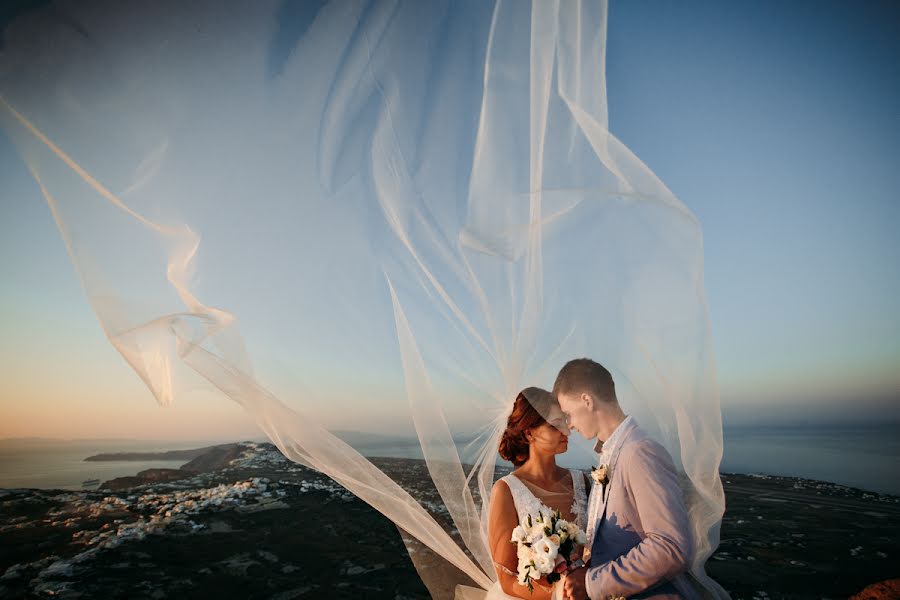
(242, 521)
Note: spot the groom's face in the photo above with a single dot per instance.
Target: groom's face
(577, 410)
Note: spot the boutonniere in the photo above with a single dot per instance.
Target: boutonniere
(601, 475)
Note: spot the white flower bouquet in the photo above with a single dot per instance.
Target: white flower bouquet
(545, 544)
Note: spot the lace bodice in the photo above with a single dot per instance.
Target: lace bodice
(527, 503)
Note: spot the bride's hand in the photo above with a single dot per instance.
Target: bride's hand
(577, 553)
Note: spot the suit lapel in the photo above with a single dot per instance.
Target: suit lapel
(604, 498)
(593, 520)
(613, 473)
(598, 501)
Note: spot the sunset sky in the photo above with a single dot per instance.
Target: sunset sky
(778, 127)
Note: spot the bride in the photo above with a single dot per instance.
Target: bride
(536, 432)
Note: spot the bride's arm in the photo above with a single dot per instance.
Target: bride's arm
(501, 522)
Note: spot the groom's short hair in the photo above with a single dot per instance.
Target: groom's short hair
(584, 375)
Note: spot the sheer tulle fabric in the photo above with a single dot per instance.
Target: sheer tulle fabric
(416, 210)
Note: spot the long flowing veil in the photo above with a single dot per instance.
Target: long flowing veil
(415, 208)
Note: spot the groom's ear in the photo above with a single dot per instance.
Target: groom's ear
(588, 401)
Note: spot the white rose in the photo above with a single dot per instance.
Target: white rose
(546, 547)
(519, 534)
(544, 563)
(561, 525)
(524, 553)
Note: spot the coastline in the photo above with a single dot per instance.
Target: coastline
(788, 537)
(184, 459)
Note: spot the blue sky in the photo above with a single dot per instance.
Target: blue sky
(775, 123)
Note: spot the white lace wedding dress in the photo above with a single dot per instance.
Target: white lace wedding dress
(527, 503)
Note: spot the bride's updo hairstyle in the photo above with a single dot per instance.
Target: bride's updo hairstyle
(528, 407)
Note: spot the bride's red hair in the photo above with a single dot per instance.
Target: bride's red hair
(524, 416)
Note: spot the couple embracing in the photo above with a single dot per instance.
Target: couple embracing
(636, 534)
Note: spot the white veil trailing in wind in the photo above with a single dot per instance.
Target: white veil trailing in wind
(415, 209)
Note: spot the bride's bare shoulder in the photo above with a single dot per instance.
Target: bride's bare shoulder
(501, 498)
(500, 486)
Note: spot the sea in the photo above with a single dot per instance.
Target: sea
(59, 464)
(865, 457)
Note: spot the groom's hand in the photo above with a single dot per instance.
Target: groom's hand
(574, 587)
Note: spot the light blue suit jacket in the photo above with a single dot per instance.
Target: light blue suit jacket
(642, 545)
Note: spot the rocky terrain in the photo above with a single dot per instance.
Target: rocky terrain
(243, 522)
(795, 538)
(202, 460)
(168, 455)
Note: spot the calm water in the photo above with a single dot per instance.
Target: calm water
(863, 457)
(60, 464)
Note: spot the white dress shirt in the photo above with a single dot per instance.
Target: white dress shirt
(607, 451)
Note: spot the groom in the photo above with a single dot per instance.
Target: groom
(637, 531)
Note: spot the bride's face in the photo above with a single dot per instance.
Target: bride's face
(551, 437)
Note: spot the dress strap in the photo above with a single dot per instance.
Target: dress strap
(577, 482)
(525, 501)
(579, 498)
(518, 490)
